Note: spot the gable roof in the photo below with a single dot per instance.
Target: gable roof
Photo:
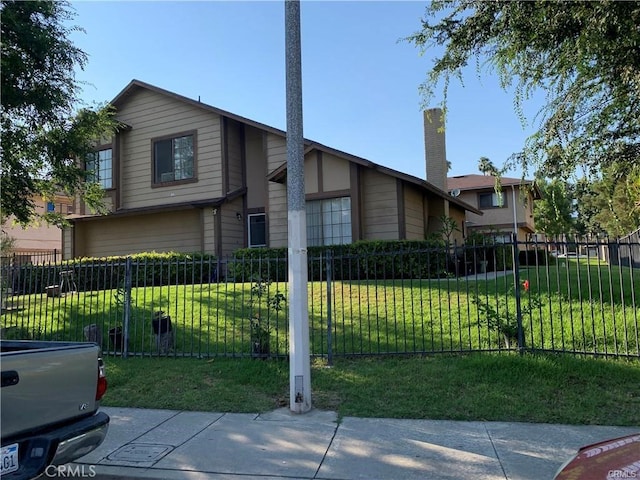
(279, 174)
(484, 182)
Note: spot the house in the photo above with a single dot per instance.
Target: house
(186, 176)
(39, 241)
(503, 213)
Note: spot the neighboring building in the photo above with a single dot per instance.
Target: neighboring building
(38, 242)
(186, 176)
(504, 213)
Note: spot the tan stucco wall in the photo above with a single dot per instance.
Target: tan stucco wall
(501, 219)
(39, 236)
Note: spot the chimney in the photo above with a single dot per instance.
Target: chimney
(434, 148)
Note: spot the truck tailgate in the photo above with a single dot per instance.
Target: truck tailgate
(45, 386)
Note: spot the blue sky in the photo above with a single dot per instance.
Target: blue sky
(360, 83)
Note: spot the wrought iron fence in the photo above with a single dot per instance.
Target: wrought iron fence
(523, 296)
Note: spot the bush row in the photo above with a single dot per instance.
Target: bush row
(91, 274)
(371, 260)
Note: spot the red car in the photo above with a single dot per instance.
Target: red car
(618, 458)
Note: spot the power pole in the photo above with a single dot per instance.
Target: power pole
(299, 358)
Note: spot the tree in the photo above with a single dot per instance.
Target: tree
(584, 55)
(486, 167)
(614, 201)
(553, 213)
(43, 134)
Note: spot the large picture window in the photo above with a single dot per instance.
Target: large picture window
(173, 159)
(100, 166)
(492, 200)
(257, 230)
(329, 221)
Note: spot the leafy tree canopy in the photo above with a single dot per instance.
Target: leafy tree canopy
(584, 55)
(610, 204)
(43, 132)
(553, 213)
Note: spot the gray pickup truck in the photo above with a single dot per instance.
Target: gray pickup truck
(50, 396)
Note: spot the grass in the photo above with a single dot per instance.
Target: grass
(585, 307)
(491, 387)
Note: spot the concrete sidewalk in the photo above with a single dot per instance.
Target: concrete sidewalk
(172, 445)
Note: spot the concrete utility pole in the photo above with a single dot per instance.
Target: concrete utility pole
(299, 359)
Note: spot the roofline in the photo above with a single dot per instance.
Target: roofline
(137, 83)
(309, 145)
(512, 182)
(280, 173)
(125, 212)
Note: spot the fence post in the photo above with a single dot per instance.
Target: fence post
(329, 337)
(127, 307)
(516, 280)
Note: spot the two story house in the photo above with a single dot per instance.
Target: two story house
(504, 213)
(186, 176)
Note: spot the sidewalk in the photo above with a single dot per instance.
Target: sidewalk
(172, 445)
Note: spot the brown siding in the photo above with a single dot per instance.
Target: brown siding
(153, 115)
(256, 168)
(311, 177)
(209, 230)
(232, 227)
(178, 231)
(458, 215)
(335, 173)
(380, 210)
(277, 208)
(414, 214)
(235, 152)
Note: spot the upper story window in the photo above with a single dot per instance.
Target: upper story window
(174, 158)
(492, 200)
(329, 221)
(100, 164)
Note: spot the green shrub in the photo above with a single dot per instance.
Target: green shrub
(365, 260)
(91, 274)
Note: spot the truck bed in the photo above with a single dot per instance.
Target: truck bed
(44, 383)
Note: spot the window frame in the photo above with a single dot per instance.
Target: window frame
(249, 217)
(96, 151)
(173, 136)
(493, 195)
(311, 239)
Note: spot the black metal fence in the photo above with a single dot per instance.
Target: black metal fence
(522, 296)
(626, 252)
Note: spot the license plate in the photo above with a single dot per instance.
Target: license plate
(9, 459)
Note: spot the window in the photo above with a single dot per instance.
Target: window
(492, 200)
(173, 159)
(100, 165)
(51, 207)
(257, 230)
(329, 221)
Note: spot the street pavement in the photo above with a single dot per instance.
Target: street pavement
(180, 445)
